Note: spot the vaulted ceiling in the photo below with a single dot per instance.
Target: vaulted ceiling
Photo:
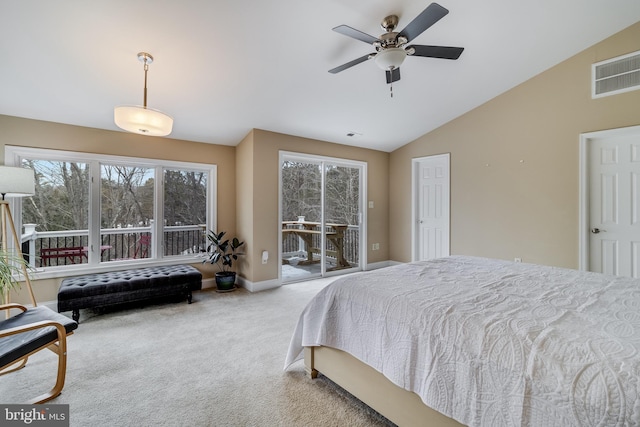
(222, 68)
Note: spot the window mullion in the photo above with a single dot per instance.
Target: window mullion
(158, 206)
(212, 207)
(94, 213)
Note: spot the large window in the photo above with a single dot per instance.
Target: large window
(90, 210)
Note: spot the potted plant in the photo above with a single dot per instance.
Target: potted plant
(11, 268)
(223, 252)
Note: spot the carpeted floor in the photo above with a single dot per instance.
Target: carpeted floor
(216, 362)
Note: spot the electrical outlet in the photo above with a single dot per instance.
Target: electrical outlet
(517, 259)
(375, 246)
(371, 204)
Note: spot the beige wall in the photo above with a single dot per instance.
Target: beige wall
(247, 182)
(33, 133)
(263, 220)
(514, 163)
(245, 201)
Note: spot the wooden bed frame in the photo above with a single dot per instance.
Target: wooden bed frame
(400, 406)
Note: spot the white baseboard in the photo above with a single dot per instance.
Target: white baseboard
(209, 283)
(258, 286)
(381, 264)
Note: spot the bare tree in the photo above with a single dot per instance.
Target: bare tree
(185, 197)
(122, 195)
(342, 194)
(61, 199)
(302, 192)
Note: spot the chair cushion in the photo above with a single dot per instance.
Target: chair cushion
(14, 347)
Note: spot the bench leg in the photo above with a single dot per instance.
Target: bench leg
(189, 296)
(75, 315)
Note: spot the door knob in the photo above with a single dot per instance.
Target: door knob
(596, 230)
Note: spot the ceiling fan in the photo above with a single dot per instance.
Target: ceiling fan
(391, 47)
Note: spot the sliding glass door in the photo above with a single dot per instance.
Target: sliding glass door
(321, 216)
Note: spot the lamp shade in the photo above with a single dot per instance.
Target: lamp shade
(142, 120)
(391, 58)
(17, 182)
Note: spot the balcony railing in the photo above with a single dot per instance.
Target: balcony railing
(294, 245)
(58, 248)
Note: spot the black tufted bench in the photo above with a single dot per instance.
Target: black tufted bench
(118, 287)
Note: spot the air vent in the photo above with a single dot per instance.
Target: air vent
(616, 75)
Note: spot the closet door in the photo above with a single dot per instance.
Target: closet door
(615, 205)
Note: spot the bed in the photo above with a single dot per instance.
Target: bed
(479, 342)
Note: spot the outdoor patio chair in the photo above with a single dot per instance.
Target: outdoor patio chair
(142, 246)
(28, 332)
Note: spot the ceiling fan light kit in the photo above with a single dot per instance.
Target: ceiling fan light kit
(391, 58)
(391, 47)
(141, 119)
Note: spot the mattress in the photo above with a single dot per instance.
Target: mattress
(489, 342)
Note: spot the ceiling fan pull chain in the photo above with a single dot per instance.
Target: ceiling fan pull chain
(391, 89)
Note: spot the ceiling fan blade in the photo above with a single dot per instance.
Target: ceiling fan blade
(432, 14)
(444, 52)
(350, 64)
(393, 75)
(356, 34)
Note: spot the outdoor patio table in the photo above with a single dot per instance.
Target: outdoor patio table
(307, 229)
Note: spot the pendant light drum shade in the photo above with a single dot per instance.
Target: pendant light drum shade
(142, 120)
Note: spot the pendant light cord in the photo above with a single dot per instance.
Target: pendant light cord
(146, 68)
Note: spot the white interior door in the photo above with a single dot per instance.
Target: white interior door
(431, 207)
(614, 208)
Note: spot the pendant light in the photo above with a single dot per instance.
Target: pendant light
(140, 119)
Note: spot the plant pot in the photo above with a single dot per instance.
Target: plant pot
(226, 281)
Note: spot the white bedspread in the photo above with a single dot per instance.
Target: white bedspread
(488, 342)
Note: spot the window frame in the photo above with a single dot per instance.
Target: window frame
(15, 154)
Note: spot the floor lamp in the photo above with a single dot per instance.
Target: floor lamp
(14, 182)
